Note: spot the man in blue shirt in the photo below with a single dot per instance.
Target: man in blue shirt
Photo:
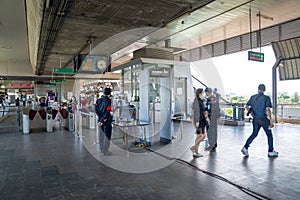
(260, 107)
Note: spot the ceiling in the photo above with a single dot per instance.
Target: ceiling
(38, 35)
(70, 27)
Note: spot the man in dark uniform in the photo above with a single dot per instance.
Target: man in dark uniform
(1, 100)
(103, 111)
(17, 101)
(260, 107)
(213, 109)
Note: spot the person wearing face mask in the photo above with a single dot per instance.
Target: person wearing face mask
(213, 109)
(104, 112)
(73, 103)
(199, 116)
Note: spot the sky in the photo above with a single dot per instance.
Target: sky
(242, 77)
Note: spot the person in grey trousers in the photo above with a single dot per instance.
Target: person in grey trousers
(213, 109)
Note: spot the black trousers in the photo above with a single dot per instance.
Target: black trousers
(105, 135)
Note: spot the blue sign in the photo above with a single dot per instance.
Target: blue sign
(94, 64)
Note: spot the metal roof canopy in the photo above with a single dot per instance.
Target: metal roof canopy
(287, 54)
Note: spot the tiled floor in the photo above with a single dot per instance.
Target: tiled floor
(60, 165)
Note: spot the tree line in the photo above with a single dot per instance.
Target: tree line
(283, 98)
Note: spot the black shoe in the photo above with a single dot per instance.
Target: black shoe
(208, 148)
(108, 153)
(214, 149)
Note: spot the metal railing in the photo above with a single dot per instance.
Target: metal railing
(237, 111)
(10, 119)
(288, 111)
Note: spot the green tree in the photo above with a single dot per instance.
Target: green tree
(283, 98)
(237, 99)
(295, 98)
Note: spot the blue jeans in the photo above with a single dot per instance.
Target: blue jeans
(257, 124)
(105, 136)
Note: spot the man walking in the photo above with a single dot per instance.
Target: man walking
(259, 105)
(103, 110)
(213, 109)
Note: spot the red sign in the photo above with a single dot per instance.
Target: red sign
(20, 84)
(28, 91)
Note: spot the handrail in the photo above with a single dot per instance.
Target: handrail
(199, 81)
(219, 96)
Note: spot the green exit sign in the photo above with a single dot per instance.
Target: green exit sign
(63, 70)
(51, 85)
(58, 81)
(256, 56)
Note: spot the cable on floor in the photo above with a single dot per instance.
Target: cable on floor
(243, 189)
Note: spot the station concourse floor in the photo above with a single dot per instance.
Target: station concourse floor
(58, 165)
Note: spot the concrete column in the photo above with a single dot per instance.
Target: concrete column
(58, 91)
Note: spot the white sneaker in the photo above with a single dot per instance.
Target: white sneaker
(245, 151)
(273, 154)
(193, 150)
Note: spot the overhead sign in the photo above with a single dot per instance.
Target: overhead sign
(57, 81)
(159, 73)
(94, 64)
(28, 91)
(63, 70)
(256, 56)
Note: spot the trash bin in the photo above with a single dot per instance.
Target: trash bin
(26, 128)
(234, 112)
(241, 112)
(238, 112)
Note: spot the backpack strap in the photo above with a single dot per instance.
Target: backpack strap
(255, 100)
